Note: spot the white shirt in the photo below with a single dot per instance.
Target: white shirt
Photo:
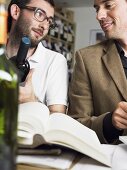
(50, 77)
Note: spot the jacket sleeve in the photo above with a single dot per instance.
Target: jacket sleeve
(81, 106)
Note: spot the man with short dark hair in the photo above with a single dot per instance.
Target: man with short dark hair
(47, 81)
(98, 90)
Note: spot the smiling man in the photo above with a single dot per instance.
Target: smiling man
(98, 90)
(47, 81)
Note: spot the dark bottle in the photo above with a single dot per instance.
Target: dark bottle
(65, 33)
(20, 60)
(61, 29)
(70, 33)
(8, 101)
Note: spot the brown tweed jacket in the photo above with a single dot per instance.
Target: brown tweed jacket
(98, 84)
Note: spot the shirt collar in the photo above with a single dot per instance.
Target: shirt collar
(119, 48)
(36, 56)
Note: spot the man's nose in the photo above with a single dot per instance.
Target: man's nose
(101, 14)
(45, 24)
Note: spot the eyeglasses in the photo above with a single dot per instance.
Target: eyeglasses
(40, 15)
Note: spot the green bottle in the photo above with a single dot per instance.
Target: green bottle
(8, 100)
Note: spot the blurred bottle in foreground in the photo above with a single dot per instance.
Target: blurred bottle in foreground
(8, 100)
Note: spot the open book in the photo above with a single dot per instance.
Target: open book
(36, 126)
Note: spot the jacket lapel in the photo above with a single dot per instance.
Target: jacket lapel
(113, 64)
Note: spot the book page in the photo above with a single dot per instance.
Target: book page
(123, 139)
(63, 161)
(66, 131)
(62, 122)
(87, 163)
(32, 119)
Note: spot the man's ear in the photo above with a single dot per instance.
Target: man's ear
(15, 11)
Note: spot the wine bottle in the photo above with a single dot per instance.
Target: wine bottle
(70, 33)
(65, 34)
(61, 29)
(8, 100)
(20, 60)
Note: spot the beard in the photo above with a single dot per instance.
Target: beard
(22, 28)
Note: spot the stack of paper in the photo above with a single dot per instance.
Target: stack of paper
(62, 161)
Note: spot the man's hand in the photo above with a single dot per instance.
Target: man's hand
(26, 93)
(119, 116)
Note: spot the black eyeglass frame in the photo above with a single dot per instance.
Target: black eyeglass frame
(35, 9)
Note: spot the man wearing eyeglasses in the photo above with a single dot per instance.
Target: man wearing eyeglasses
(48, 78)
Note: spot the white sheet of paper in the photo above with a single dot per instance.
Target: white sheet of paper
(119, 160)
